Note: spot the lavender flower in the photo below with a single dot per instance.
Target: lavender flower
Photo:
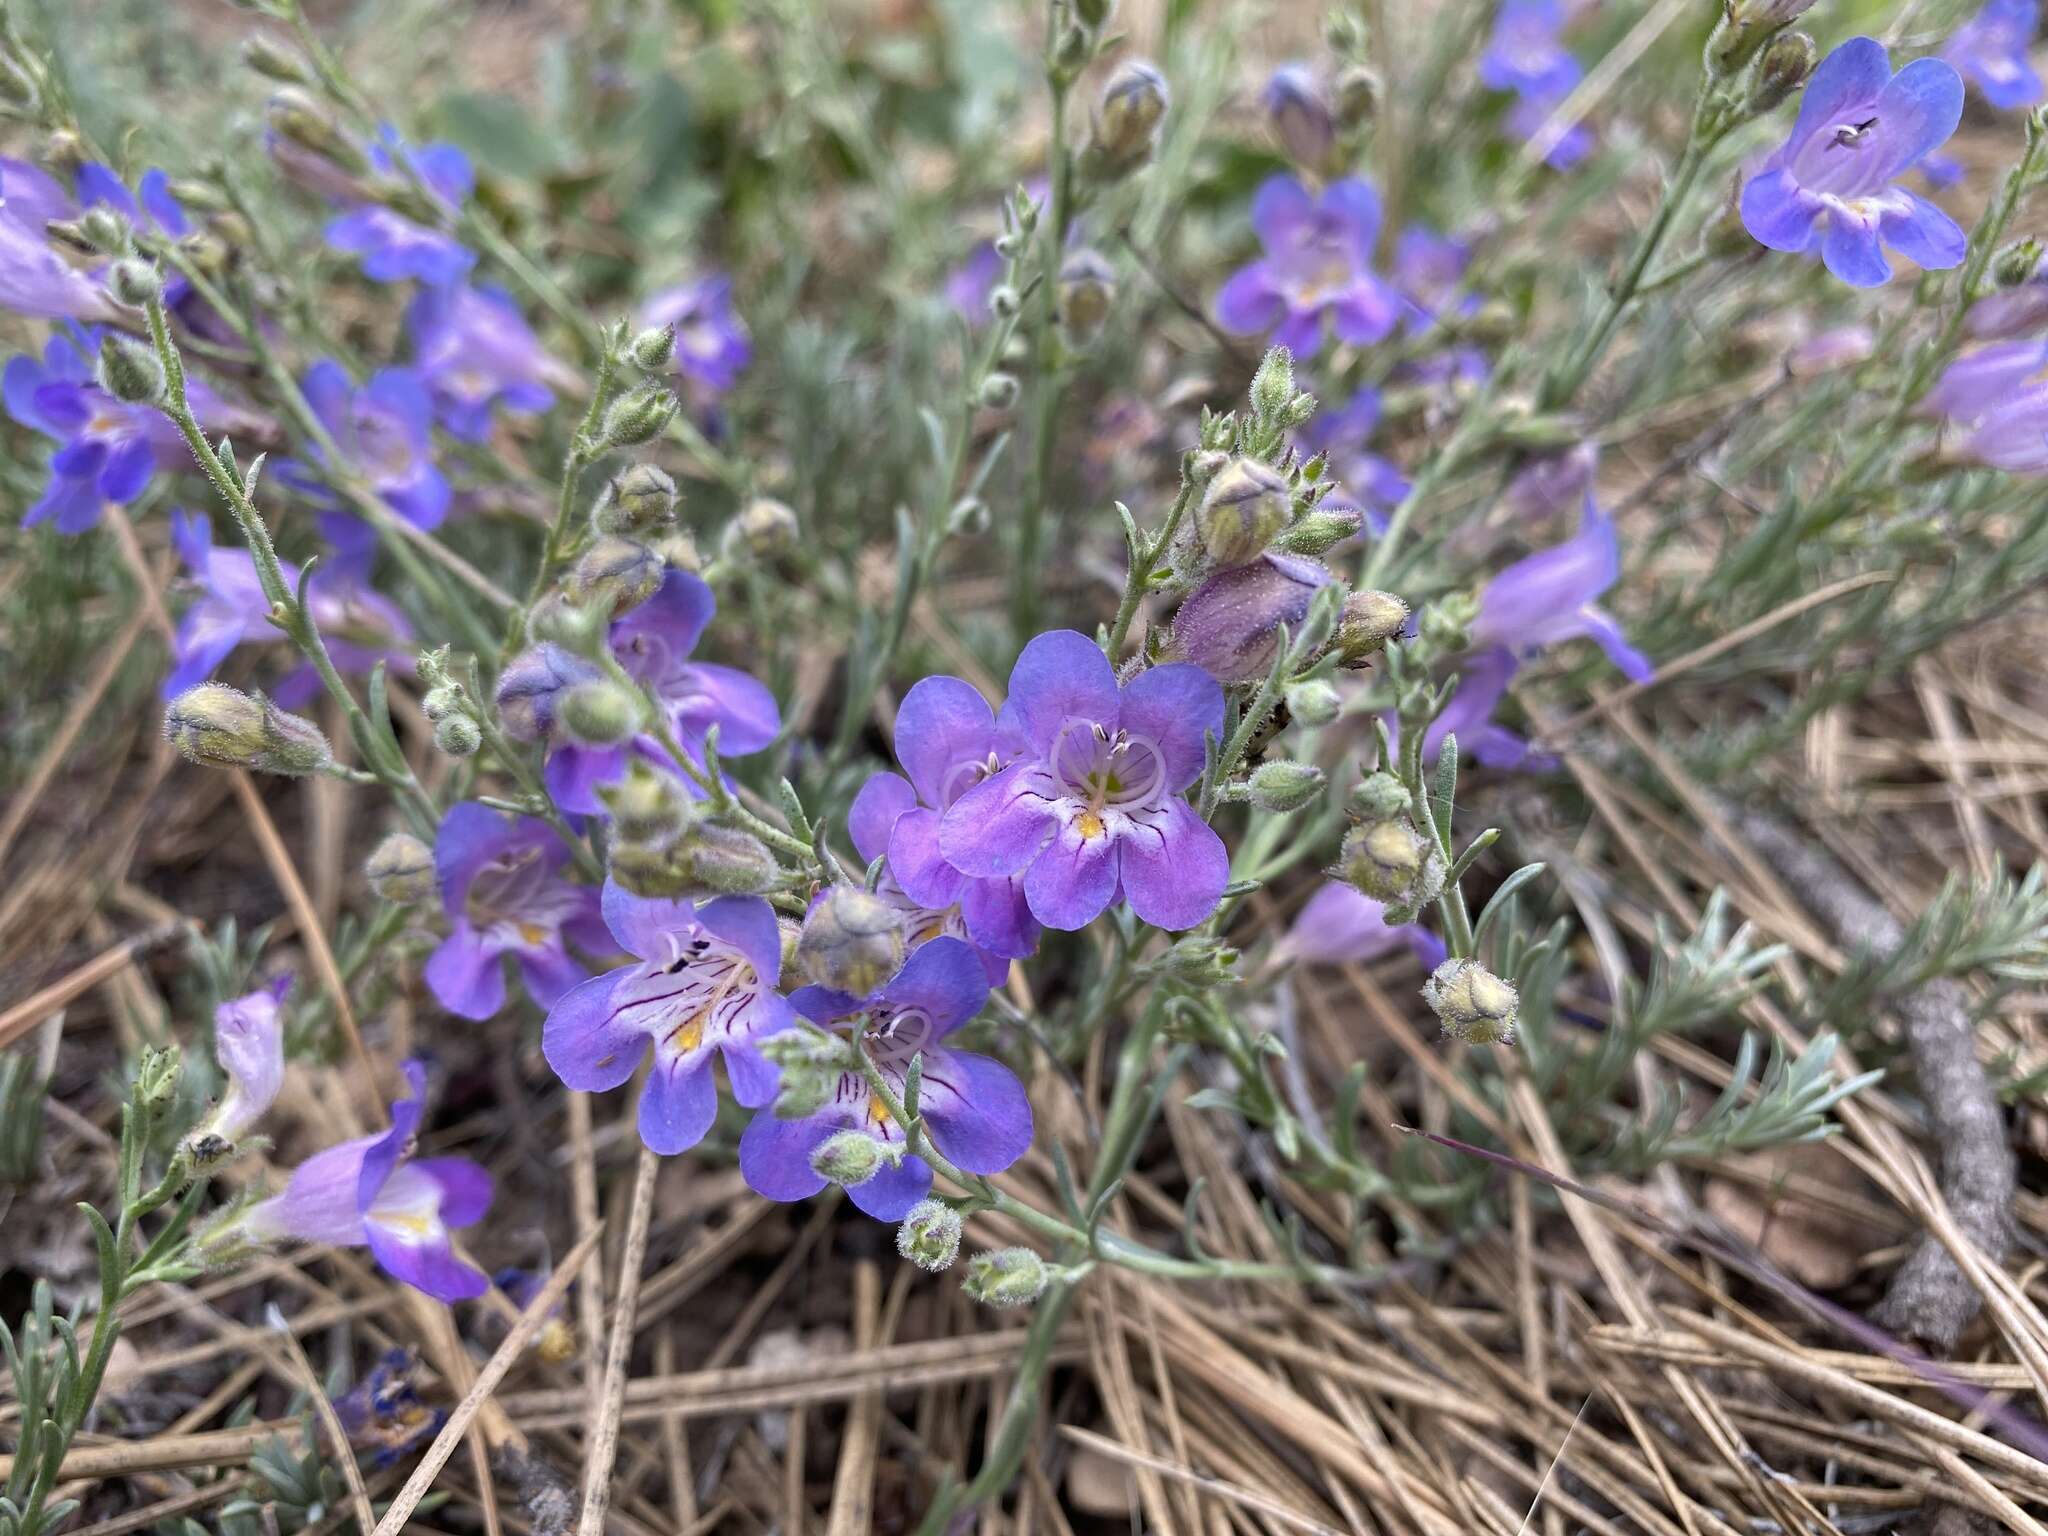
(385, 432)
(1317, 263)
(1367, 482)
(248, 1041)
(1483, 679)
(393, 247)
(1298, 110)
(34, 279)
(1526, 55)
(948, 742)
(712, 348)
(1229, 626)
(653, 643)
(1340, 925)
(1550, 484)
(1830, 187)
(108, 450)
(502, 888)
(1548, 597)
(1990, 50)
(973, 1107)
(704, 984)
(969, 285)
(1092, 811)
(475, 352)
(371, 1191)
(1999, 393)
(150, 206)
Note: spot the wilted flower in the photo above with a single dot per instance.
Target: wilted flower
(704, 982)
(1991, 51)
(851, 941)
(400, 869)
(372, 1191)
(248, 1041)
(1830, 187)
(1473, 1003)
(974, 1109)
(1391, 861)
(1093, 807)
(385, 432)
(383, 1413)
(502, 888)
(1340, 925)
(224, 727)
(1127, 119)
(712, 349)
(1317, 263)
(475, 352)
(393, 247)
(1229, 626)
(1526, 55)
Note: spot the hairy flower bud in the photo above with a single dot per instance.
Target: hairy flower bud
(1229, 626)
(1378, 796)
(1313, 703)
(1007, 1277)
(639, 501)
(274, 61)
(294, 117)
(614, 576)
(1367, 621)
(130, 371)
(703, 858)
(847, 1158)
(401, 870)
(2016, 262)
(600, 713)
(1355, 97)
(1299, 115)
(1087, 289)
(1315, 534)
(637, 417)
(765, 529)
(930, 1235)
(1243, 511)
(437, 704)
(852, 941)
(1787, 62)
(575, 629)
(1272, 388)
(1745, 26)
(135, 282)
(1127, 120)
(999, 391)
(1199, 962)
(458, 736)
(226, 728)
(1285, 786)
(1391, 862)
(653, 347)
(809, 1064)
(530, 689)
(1474, 1004)
(647, 806)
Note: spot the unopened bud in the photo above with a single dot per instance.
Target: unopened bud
(102, 229)
(130, 371)
(1087, 289)
(809, 1064)
(1243, 511)
(1788, 61)
(599, 713)
(1299, 115)
(135, 282)
(930, 1235)
(647, 806)
(637, 417)
(274, 61)
(458, 736)
(293, 116)
(765, 529)
(1229, 626)
(1199, 962)
(852, 941)
(639, 501)
(438, 703)
(2016, 263)
(530, 688)
(704, 858)
(847, 1158)
(1273, 385)
(1313, 703)
(1367, 621)
(226, 728)
(1355, 97)
(1379, 796)
(1004, 301)
(401, 870)
(1127, 120)
(614, 576)
(999, 391)
(653, 348)
(1473, 1003)
(1285, 786)
(1391, 862)
(573, 628)
(1317, 533)
(1007, 1277)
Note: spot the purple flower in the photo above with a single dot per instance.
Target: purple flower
(2010, 312)
(385, 432)
(704, 983)
(1526, 55)
(969, 285)
(393, 247)
(1229, 626)
(1483, 679)
(1549, 596)
(360, 625)
(1368, 483)
(1830, 186)
(1975, 384)
(712, 349)
(1340, 925)
(371, 1191)
(502, 888)
(1317, 263)
(1990, 50)
(653, 643)
(34, 279)
(1552, 483)
(973, 1106)
(383, 1413)
(248, 1042)
(1838, 347)
(109, 450)
(1298, 111)
(531, 687)
(1091, 812)
(948, 742)
(476, 352)
(150, 206)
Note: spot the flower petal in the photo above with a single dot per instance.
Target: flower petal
(1854, 74)
(465, 976)
(977, 1111)
(1061, 676)
(1071, 883)
(677, 1106)
(945, 978)
(943, 728)
(1174, 866)
(998, 917)
(869, 821)
(466, 1188)
(641, 923)
(745, 712)
(1777, 213)
(1851, 251)
(581, 1043)
(748, 924)
(1917, 111)
(916, 862)
(775, 1154)
(1250, 302)
(1924, 235)
(425, 1261)
(890, 1194)
(999, 826)
(1175, 707)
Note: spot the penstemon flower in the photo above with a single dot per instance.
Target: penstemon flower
(1526, 55)
(476, 353)
(1317, 264)
(392, 247)
(1341, 925)
(948, 742)
(371, 1191)
(248, 1041)
(1483, 679)
(1091, 811)
(712, 347)
(385, 432)
(502, 888)
(34, 279)
(1831, 186)
(1548, 597)
(703, 983)
(974, 1109)
(1990, 50)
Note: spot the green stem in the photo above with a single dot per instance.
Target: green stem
(1049, 383)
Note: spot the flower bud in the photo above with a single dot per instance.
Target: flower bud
(639, 501)
(1272, 388)
(1285, 786)
(653, 348)
(1007, 1277)
(1745, 26)
(1367, 621)
(704, 858)
(102, 229)
(457, 735)
(852, 941)
(637, 417)
(129, 371)
(1004, 301)
(1092, 14)
(530, 689)
(1355, 97)
(930, 1235)
(1087, 289)
(1299, 115)
(2016, 263)
(1391, 862)
(678, 550)
(1378, 796)
(274, 61)
(438, 703)
(765, 529)
(847, 1158)
(1243, 511)
(135, 282)
(646, 806)
(1447, 625)
(1127, 120)
(157, 1074)
(226, 728)
(1316, 533)
(294, 117)
(1199, 962)
(999, 391)
(1229, 626)
(1474, 1004)
(401, 870)
(1313, 703)
(809, 1063)
(614, 576)
(576, 630)
(599, 713)
(1787, 62)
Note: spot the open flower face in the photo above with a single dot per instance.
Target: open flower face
(703, 983)
(1317, 264)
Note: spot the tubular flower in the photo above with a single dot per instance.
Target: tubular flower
(1317, 264)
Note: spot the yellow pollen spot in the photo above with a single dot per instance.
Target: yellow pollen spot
(934, 929)
(1089, 825)
(689, 1034)
(533, 933)
(407, 1222)
(878, 1112)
